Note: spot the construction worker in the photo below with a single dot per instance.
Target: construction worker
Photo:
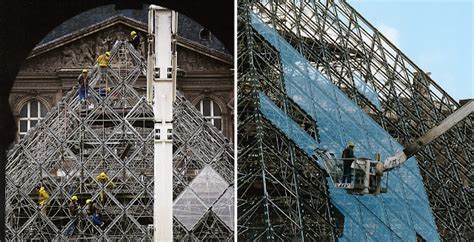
(92, 213)
(135, 41)
(105, 181)
(43, 198)
(103, 61)
(74, 214)
(83, 82)
(104, 91)
(347, 158)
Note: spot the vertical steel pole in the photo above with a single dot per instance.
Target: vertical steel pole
(161, 58)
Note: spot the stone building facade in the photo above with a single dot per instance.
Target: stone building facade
(205, 67)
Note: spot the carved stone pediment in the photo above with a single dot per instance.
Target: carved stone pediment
(193, 61)
(80, 53)
(83, 49)
(83, 52)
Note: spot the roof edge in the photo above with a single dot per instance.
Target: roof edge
(66, 39)
(71, 37)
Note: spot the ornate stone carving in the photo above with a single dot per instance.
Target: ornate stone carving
(194, 61)
(50, 99)
(18, 100)
(14, 99)
(80, 53)
(84, 51)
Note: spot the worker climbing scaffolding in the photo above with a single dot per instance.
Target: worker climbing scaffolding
(105, 182)
(83, 88)
(74, 209)
(91, 210)
(103, 61)
(135, 40)
(43, 198)
(83, 83)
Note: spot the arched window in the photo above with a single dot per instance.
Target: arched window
(30, 114)
(211, 112)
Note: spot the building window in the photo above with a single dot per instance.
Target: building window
(30, 114)
(211, 112)
(204, 34)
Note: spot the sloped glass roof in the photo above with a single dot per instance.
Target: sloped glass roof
(399, 214)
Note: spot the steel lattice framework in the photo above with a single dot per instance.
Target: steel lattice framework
(282, 193)
(73, 144)
(378, 77)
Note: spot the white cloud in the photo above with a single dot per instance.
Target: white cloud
(391, 33)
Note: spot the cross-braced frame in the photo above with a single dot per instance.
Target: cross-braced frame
(392, 89)
(113, 132)
(282, 194)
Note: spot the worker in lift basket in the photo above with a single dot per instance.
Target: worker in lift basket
(347, 158)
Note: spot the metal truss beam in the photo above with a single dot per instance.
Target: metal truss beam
(282, 193)
(74, 143)
(401, 98)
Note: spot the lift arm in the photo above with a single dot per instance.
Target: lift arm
(432, 134)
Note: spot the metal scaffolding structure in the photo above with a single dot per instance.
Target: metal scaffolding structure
(282, 194)
(114, 133)
(339, 43)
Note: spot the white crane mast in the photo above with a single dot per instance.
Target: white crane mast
(161, 93)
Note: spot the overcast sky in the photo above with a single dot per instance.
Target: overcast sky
(436, 34)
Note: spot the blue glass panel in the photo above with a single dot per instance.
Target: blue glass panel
(294, 132)
(367, 91)
(399, 226)
(393, 216)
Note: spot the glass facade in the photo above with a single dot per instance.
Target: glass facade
(397, 215)
(367, 91)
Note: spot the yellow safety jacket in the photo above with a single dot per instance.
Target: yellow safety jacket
(43, 196)
(103, 178)
(103, 60)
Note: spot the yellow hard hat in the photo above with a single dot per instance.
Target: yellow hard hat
(102, 174)
(84, 70)
(133, 33)
(107, 53)
(88, 201)
(350, 144)
(74, 198)
(41, 188)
